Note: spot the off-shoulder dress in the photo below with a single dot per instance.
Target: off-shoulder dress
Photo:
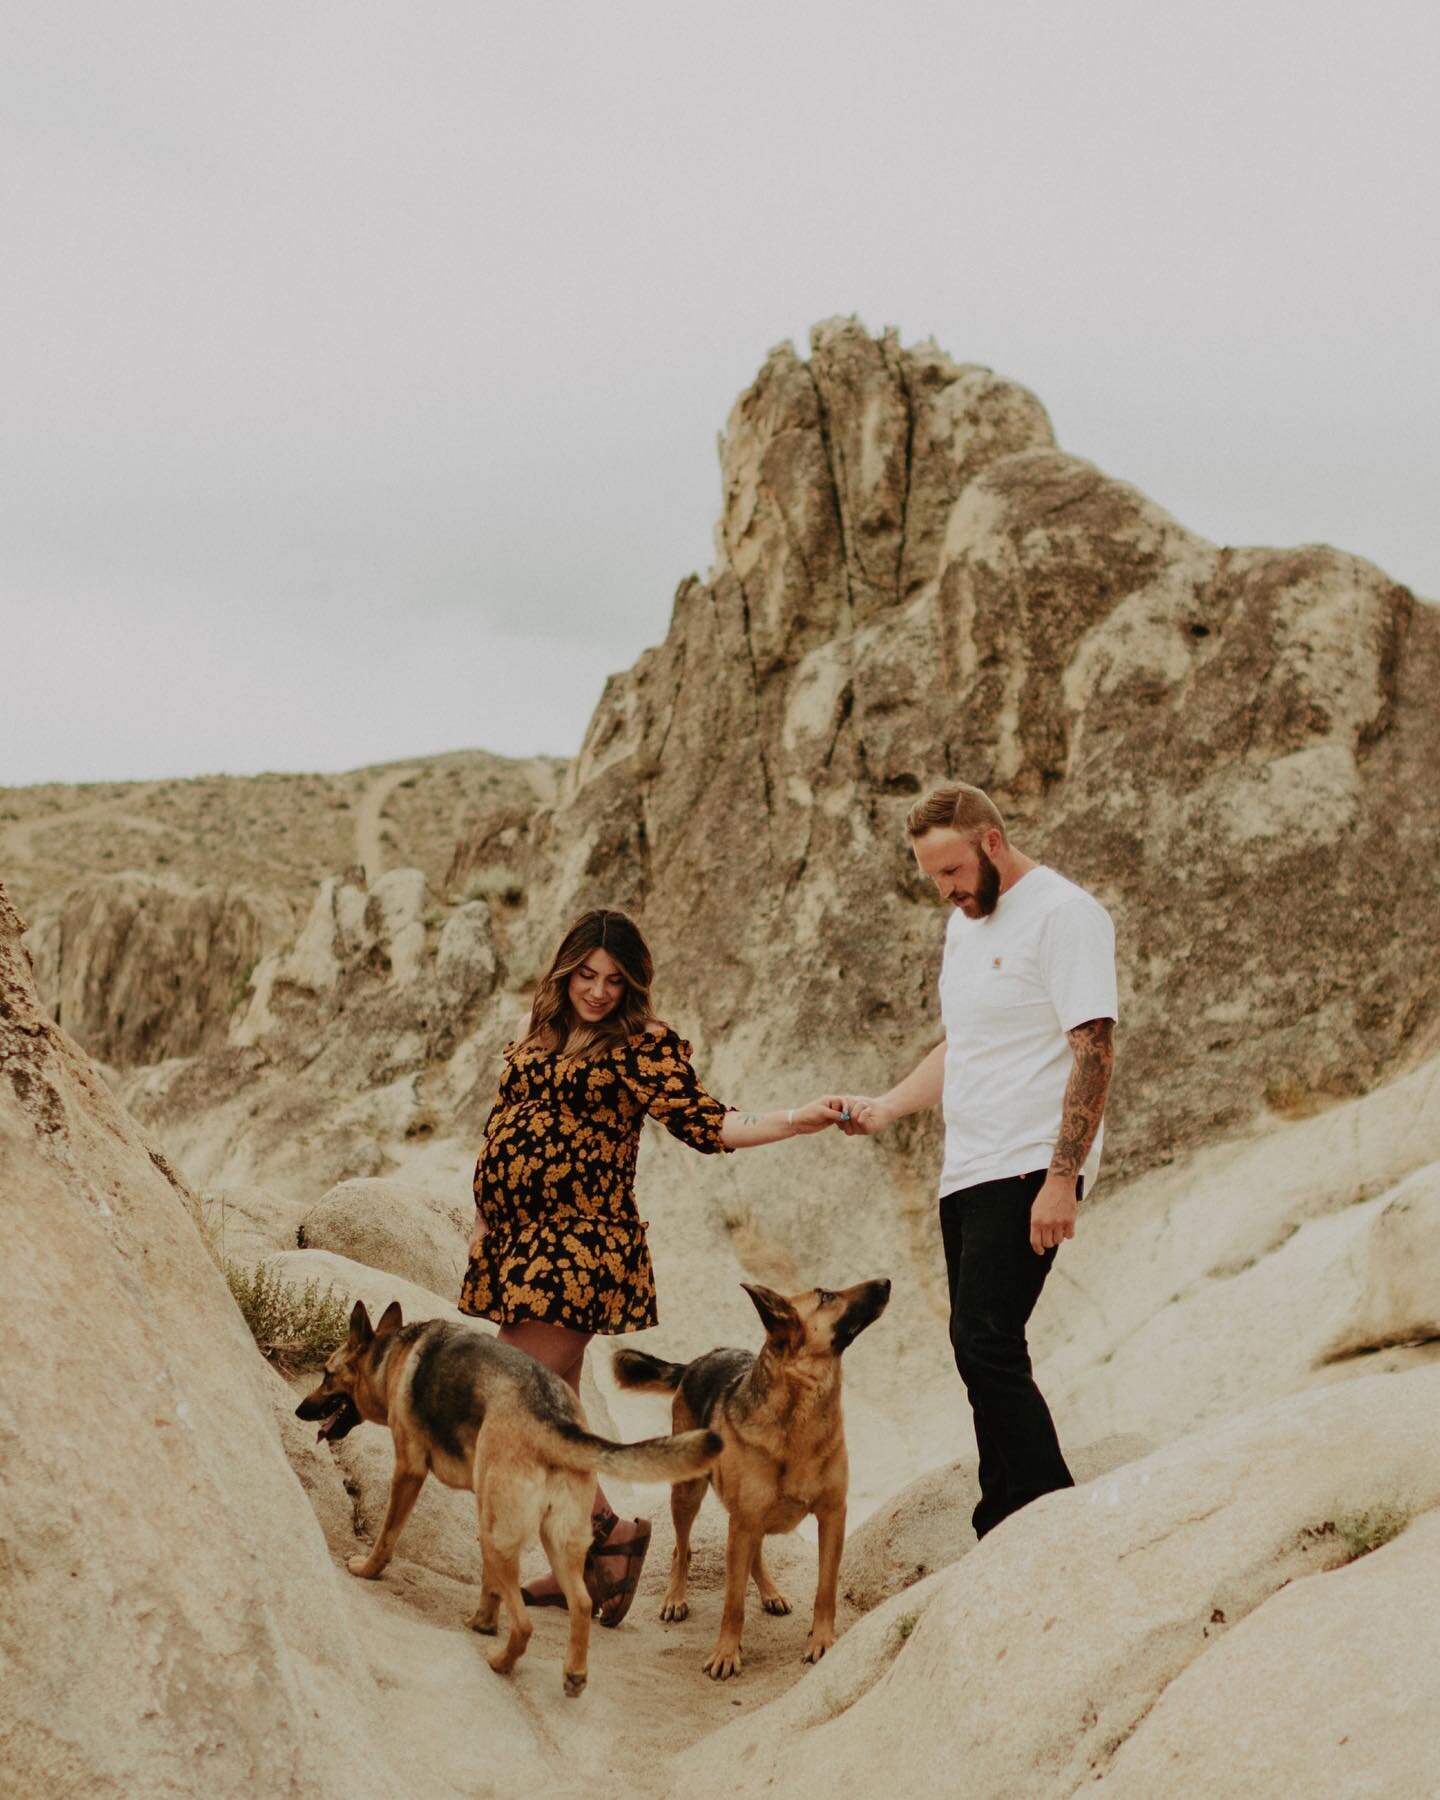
(555, 1182)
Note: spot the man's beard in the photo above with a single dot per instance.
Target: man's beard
(987, 894)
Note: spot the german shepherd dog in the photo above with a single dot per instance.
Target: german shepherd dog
(778, 1415)
(484, 1416)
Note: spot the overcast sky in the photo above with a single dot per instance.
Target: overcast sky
(363, 364)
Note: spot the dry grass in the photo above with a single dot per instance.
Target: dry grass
(294, 1327)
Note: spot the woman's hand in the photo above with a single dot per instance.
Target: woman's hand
(747, 1131)
(818, 1115)
(477, 1237)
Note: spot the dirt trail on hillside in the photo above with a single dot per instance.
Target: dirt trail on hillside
(369, 845)
(17, 837)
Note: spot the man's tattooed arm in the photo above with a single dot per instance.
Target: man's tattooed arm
(1093, 1047)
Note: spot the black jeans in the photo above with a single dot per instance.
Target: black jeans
(995, 1280)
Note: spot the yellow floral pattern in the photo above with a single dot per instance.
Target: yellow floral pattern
(555, 1183)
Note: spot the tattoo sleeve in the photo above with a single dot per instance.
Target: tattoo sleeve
(1093, 1047)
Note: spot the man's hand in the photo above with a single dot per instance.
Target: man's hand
(477, 1237)
(1052, 1217)
(867, 1116)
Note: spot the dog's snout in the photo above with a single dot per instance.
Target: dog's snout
(319, 1405)
(877, 1295)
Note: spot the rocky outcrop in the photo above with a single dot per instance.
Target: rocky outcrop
(356, 1038)
(149, 1513)
(140, 967)
(1304, 1254)
(914, 582)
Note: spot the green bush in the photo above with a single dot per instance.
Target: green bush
(1366, 1531)
(295, 1327)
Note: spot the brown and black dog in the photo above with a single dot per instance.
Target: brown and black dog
(484, 1416)
(778, 1415)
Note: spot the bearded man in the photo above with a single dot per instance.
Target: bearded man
(1028, 1002)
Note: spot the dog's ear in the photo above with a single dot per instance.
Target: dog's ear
(360, 1331)
(390, 1320)
(777, 1315)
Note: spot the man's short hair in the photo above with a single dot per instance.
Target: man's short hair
(955, 807)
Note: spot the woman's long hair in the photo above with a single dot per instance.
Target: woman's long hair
(553, 1022)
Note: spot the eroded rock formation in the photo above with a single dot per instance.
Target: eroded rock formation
(170, 1617)
(913, 583)
(1232, 747)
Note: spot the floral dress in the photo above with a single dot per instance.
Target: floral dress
(555, 1182)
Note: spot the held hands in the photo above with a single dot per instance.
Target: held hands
(867, 1116)
(817, 1116)
(1052, 1216)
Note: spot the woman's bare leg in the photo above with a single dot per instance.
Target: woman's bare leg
(563, 1351)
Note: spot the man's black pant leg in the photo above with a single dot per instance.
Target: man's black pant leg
(995, 1280)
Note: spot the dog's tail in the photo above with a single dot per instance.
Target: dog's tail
(634, 1369)
(654, 1459)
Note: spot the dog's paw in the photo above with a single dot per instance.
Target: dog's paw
(574, 1685)
(675, 1609)
(501, 1662)
(777, 1603)
(723, 1664)
(360, 1565)
(817, 1647)
(478, 1622)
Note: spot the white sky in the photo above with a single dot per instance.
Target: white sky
(361, 365)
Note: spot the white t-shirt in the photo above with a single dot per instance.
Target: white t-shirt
(1011, 986)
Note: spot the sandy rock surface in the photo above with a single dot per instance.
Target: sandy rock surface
(926, 1526)
(245, 1223)
(1103, 1599)
(405, 1230)
(1365, 1724)
(213, 1638)
(1250, 1270)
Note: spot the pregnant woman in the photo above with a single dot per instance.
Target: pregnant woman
(559, 1250)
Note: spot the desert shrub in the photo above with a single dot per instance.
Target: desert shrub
(240, 992)
(1359, 1533)
(1366, 1531)
(294, 1327)
(495, 883)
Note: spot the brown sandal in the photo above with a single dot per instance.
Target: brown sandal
(602, 1524)
(612, 1598)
